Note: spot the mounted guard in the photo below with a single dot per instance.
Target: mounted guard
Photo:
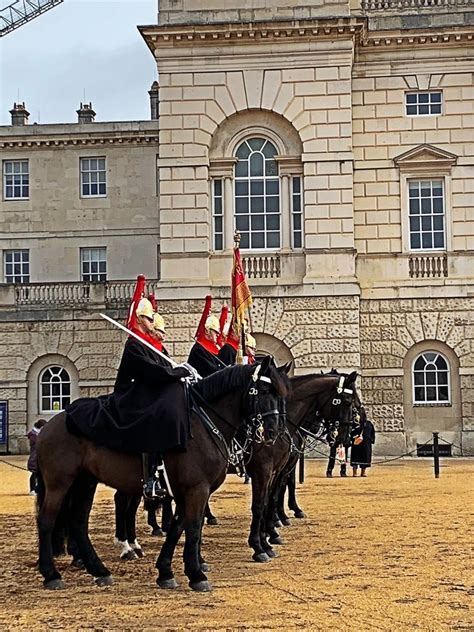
(204, 354)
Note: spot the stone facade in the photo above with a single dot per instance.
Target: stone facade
(326, 84)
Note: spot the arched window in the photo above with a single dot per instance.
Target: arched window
(257, 195)
(431, 383)
(54, 389)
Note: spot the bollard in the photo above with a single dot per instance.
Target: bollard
(301, 470)
(436, 454)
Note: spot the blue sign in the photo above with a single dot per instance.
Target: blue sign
(3, 422)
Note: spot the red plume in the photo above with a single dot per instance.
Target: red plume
(137, 296)
(222, 324)
(206, 312)
(152, 299)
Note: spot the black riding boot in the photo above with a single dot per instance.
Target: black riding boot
(151, 484)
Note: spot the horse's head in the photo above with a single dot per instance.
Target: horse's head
(268, 391)
(339, 408)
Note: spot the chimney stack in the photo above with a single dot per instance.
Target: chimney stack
(85, 114)
(155, 101)
(19, 114)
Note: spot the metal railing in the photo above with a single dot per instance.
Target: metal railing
(119, 293)
(428, 266)
(411, 5)
(52, 293)
(262, 267)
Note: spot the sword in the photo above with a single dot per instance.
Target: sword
(144, 342)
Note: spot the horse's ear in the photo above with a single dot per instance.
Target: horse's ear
(351, 378)
(266, 363)
(286, 368)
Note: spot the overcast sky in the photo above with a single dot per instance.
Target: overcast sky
(79, 45)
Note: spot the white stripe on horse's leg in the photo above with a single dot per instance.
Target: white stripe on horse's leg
(125, 550)
(137, 548)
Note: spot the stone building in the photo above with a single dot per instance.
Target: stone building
(337, 138)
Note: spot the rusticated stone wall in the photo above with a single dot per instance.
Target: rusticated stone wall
(390, 328)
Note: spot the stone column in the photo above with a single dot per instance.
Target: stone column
(285, 211)
(228, 213)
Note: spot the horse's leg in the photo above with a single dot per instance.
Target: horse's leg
(210, 517)
(285, 521)
(274, 536)
(49, 509)
(151, 507)
(132, 526)
(292, 504)
(122, 502)
(260, 477)
(81, 505)
(165, 558)
(194, 513)
(166, 514)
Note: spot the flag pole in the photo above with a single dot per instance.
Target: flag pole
(241, 348)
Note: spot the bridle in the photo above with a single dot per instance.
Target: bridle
(330, 427)
(256, 419)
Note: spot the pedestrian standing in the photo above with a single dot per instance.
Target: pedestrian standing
(363, 438)
(32, 460)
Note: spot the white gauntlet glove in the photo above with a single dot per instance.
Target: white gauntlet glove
(193, 374)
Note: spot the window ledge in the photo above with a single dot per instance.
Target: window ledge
(432, 405)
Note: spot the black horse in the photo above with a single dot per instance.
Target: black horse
(332, 396)
(67, 462)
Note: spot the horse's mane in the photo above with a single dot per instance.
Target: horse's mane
(233, 377)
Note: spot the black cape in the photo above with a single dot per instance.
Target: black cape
(362, 454)
(147, 412)
(205, 362)
(228, 354)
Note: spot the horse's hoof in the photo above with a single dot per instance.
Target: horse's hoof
(286, 522)
(105, 581)
(278, 524)
(168, 584)
(78, 564)
(205, 568)
(55, 584)
(272, 553)
(158, 532)
(139, 552)
(260, 557)
(212, 520)
(276, 540)
(129, 556)
(202, 586)
(300, 514)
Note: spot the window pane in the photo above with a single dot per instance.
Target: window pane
(241, 169)
(411, 98)
(439, 240)
(256, 165)
(256, 187)
(256, 204)
(241, 188)
(269, 150)
(415, 240)
(257, 222)
(243, 151)
(419, 394)
(241, 205)
(271, 168)
(273, 240)
(256, 143)
(273, 222)
(258, 240)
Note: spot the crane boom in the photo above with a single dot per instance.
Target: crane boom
(18, 12)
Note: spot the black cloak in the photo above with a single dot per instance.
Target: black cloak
(228, 354)
(205, 362)
(147, 412)
(362, 454)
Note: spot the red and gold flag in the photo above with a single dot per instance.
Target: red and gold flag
(241, 296)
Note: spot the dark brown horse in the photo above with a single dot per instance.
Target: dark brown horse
(74, 464)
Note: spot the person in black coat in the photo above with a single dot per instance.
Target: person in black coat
(204, 354)
(363, 438)
(147, 412)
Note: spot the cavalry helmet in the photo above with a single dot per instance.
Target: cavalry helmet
(212, 322)
(159, 322)
(145, 308)
(250, 341)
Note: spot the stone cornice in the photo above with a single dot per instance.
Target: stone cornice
(155, 35)
(427, 37)
(33, 142)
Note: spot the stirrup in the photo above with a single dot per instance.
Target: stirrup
(152, 490)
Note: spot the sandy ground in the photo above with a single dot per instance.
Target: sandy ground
(390, 552)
